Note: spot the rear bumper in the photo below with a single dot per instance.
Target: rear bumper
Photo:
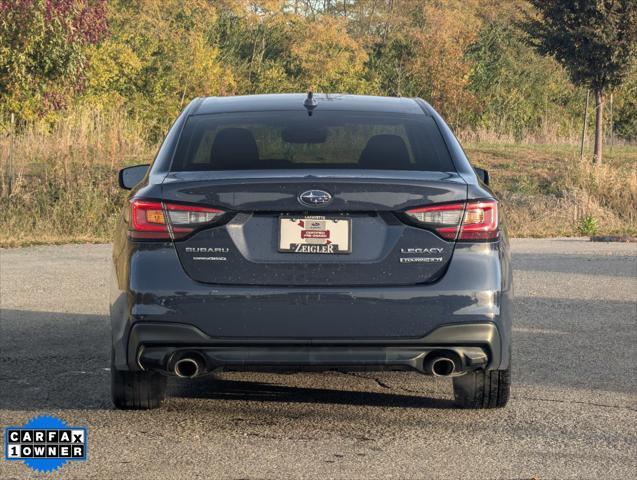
(307, 326)
(156, 346)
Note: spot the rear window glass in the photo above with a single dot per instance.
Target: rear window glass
(292, 140)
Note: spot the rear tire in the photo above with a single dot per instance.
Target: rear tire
(137, 390)
(482, 389)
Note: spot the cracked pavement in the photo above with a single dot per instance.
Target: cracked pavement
(573, 412)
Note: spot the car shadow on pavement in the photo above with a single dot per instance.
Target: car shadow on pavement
(221, 389)
(54, 360)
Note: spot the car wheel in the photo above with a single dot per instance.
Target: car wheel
(137, 390)
(482, 389)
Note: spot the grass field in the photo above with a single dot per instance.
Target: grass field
(61, 186)
(548, 191)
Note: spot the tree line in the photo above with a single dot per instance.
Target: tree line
(513, 68)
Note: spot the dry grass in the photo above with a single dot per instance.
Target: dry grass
(548, 191)
(59, 186)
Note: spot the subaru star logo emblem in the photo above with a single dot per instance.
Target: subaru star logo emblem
(315, 198)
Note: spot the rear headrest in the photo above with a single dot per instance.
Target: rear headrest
(385, 152)
(233, 148)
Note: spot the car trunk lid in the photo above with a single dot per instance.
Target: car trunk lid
(383, 248)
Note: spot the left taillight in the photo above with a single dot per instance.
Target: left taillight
(471, 221)
(150, 220)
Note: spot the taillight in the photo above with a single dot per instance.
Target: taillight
(480, 221)
(157, 220)
(476, 220)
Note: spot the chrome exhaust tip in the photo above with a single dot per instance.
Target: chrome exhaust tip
(440, 365)
(443, 367)
(187, 367)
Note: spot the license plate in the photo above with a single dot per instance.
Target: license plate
(315, 235)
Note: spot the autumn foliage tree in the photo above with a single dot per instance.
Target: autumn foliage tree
(43, 51)
(326, 58)
(145, 59)
(146, 67)
(441, 66)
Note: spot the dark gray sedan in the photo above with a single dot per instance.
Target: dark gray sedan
(310, 232)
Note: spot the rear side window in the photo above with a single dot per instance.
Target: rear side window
(328, 139)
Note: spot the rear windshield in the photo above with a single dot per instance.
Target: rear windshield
(328, 139)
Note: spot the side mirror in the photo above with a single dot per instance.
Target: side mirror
(482, 175)
(130, 176)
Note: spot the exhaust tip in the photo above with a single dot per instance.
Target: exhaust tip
(443, 367)
(187, 368)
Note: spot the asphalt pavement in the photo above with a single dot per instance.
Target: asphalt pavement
(573, 412)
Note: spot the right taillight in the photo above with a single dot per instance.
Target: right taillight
(476, 220)
(152, 220)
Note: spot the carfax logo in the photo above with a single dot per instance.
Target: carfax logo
(45, 443)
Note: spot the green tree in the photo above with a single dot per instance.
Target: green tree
(417, 48)
(43, 52)
(161, 54)
(518, 92)
(254, 39)
(625, 107)
(595, 40)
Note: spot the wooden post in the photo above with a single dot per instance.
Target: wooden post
(581, 148)
(10, 163)
(599, 127)
(611, 122)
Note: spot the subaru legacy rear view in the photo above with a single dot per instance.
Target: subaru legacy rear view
(310, 232)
